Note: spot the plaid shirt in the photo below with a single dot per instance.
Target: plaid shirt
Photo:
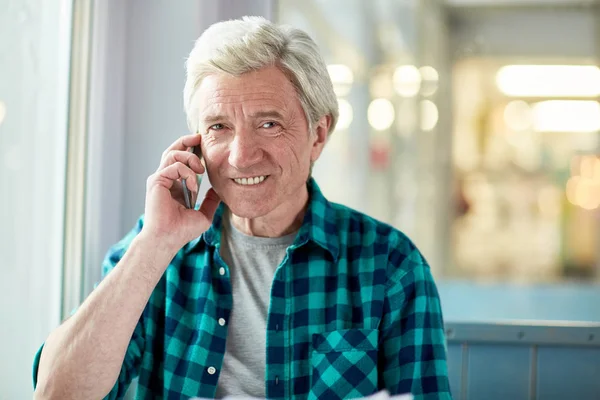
(354, 309)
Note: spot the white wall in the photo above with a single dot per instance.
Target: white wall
(159, 36)
(34, 46)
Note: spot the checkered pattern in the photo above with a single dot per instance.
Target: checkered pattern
(344, 364)
(354, 309)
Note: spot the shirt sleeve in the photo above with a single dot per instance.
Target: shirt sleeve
(412, 342)
(132, 360)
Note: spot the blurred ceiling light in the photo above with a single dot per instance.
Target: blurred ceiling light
(588, 194)
(346, 115)
(583, 190)
(407, 80)
(342, 78)
(518, 116)
(2, 111)
(568, 116)
(429, 115)
(549, 80)
(587, 167)
(429, 80)
(380, 114)
(582, 194)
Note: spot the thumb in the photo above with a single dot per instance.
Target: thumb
(210, 203)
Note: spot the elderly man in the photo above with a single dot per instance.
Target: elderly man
(266, 290)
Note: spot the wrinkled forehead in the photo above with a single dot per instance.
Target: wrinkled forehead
(254, 91)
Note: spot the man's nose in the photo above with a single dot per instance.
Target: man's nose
(244, 150)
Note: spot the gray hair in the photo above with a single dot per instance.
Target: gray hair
(251, 43)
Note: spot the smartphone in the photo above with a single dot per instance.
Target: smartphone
(190, 202)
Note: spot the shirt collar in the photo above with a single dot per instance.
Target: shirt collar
(318, 226)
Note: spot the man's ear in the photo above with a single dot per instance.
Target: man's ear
(319, 138)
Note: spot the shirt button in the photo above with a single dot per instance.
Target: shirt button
(277, 380)
(222, 271)
(212, 370)
(222, 321)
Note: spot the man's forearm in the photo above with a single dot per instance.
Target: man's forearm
(82, 358)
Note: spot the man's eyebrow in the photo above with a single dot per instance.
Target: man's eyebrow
(211, 119)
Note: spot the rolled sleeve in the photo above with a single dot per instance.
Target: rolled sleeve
(413, 345)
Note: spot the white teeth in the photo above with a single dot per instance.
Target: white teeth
(250, 181)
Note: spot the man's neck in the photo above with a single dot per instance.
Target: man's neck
(283, 220)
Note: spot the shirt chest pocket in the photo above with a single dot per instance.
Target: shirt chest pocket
(344, 364)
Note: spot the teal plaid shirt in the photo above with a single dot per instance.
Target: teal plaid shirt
(354, 309)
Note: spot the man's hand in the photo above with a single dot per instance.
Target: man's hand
(83, 358)
(166, 217)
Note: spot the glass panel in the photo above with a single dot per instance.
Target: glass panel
(494, 172)
(34, 46)
(526, 144)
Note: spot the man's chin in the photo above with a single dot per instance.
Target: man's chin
(249, 209)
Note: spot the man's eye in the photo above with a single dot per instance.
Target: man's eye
(269, 125)
(216, 127)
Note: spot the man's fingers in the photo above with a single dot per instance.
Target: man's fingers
(183, 143)
(188, 158)
(169, 175)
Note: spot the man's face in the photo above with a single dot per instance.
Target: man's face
(255, 140)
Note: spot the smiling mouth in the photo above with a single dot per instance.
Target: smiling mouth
(255, 180)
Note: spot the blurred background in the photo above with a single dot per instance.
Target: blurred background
(471, 125)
